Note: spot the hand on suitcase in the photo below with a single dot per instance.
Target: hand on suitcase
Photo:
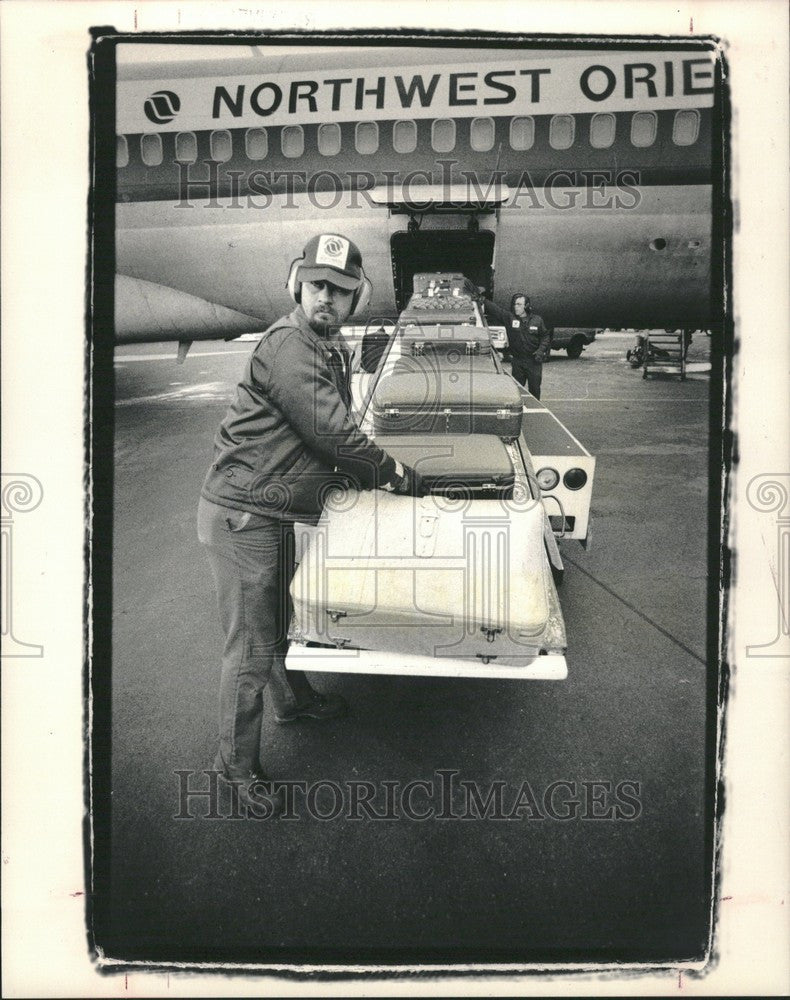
(410, 483)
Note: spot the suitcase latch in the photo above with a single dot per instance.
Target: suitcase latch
(392, 411)
(503, 414)
(335, 616)
(490, 632)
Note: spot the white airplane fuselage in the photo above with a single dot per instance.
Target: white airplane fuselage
(581, 177)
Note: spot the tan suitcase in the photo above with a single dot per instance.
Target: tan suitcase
(425, 576)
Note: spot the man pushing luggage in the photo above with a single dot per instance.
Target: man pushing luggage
(287, 438)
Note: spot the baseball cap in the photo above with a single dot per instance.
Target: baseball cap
(330, 257)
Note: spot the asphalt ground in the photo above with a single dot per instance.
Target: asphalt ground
(553, 882)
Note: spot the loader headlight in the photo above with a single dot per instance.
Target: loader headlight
(548, 478)
(575, 479)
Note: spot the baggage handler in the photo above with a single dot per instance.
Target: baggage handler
(286, 439)
(528, 338)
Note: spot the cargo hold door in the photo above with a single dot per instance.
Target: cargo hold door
(446, 228)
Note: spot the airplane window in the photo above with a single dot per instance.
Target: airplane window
(644, 125)
(522, 133)
(186, 147)
(367, 137)
(151, 149)
(292, 141)
(481, 134)
(404, 137)
(443, 135)
(221, 145)
(256, 143)
(121, 151)
(329, 139)
(685, 128)
(602, 129)
(562, 131)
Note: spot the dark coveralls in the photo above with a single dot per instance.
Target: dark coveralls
(287, 438)
(529, 342)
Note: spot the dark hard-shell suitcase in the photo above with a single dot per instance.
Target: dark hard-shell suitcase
(434, 339)
(418, 576)
(374, 344)
(461, 466)
(452, 361)
(448, 402)
(439, 311)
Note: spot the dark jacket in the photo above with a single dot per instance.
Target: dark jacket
(527, 335)
(288, 435)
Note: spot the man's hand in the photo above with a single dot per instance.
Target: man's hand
(410, 484)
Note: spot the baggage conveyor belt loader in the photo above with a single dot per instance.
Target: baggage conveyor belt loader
(462, 582)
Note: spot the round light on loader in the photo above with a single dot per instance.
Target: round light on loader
(575, 479)
(547, 478)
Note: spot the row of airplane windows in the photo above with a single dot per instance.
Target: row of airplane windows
(482, 131)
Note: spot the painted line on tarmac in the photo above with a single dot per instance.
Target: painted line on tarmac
(211, 391)
(632, 607)
(125, 358)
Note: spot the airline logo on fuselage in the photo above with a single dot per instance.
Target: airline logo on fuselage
(162, 107)
(593, 82)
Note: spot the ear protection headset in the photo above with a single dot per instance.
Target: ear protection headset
(359, 302)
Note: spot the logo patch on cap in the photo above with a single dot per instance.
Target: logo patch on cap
(332, 251)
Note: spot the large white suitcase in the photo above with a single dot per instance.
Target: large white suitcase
(426, 576)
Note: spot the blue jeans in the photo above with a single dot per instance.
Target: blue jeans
(251, 557)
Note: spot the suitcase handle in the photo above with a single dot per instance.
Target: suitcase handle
(425, 541)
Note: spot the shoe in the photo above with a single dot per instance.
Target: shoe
(256, 793)
(321, 707)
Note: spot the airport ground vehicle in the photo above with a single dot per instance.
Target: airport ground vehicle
(373, 580)
(571, 340)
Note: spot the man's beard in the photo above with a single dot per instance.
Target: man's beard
(326, 324)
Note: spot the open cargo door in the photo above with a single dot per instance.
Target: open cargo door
(449, 250)
(443, 231)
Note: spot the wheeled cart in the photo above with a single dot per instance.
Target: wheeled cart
(665, 351)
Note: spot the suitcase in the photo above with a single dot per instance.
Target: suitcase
(455, 338)
(374, 345)
(445, 284)
(439, 313)
(458, 466)
(412, 576)
(447, 402)
(453, 361)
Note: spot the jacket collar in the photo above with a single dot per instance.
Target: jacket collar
(298, 319)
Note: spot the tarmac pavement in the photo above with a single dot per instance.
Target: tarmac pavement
(632, 885)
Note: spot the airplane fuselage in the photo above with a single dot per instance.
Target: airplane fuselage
(583, 178)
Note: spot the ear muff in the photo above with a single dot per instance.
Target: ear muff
(359, 302)
(361, 299)
(294, 286)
